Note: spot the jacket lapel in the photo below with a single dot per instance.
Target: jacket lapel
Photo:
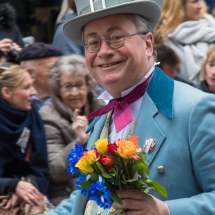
(146, 127)
(96, 127)
(158, 99)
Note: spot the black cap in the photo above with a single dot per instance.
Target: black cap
(39, 50)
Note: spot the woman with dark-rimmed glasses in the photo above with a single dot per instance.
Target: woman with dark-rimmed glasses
(72, 99)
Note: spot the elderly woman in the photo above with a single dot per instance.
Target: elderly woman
(72, 99)
(189, 31)
(207, 76)
(23, 154)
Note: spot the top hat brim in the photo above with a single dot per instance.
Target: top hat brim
(148, 9)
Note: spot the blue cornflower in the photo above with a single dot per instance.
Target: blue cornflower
(99, 193)
(106, 205)
(74, 157)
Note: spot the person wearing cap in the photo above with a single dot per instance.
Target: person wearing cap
(39, 58)
(175, 117)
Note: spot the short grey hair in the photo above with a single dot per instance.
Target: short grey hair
(144, 26)
(72, 64)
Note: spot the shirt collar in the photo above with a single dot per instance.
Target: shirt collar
(162, 100)
(106, 96)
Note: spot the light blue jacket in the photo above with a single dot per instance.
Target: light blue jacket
(182, 121)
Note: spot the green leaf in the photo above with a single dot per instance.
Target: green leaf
(148, 181)
(159, 188)
(85, 184)
(115, 197)
(140, 168)
(116, 212)
(94, 177)
(135, 177)
(143, 158)
(146, 190)
(103, 172)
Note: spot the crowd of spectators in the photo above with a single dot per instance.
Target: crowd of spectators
(44, 101)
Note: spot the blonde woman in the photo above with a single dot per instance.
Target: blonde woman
(189, 31)
(207, 76)
(22, 138)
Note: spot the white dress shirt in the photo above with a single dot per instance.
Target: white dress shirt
(135, 107)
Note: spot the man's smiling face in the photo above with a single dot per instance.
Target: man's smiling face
(118, 69)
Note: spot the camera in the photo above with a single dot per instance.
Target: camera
(13, 55)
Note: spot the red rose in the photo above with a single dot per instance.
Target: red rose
(107, 161)
(112, 147)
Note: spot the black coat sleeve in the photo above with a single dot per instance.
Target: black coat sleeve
(8, 185)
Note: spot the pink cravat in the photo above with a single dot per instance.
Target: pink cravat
(122, 112)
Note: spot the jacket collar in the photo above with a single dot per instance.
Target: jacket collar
(160, 90)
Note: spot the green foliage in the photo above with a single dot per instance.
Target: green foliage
(119, 211)
(85, 184)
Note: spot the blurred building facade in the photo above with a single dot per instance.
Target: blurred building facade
(36, 17)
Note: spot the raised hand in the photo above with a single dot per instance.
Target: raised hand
(5, 46)
(79, 125)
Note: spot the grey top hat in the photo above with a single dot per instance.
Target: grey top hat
(89, 10)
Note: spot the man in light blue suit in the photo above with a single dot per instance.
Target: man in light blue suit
(175, 122)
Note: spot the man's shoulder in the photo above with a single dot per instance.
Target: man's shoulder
(186, 90)
(188, 96)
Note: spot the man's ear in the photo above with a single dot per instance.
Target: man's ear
(149, 39)
(6, 93)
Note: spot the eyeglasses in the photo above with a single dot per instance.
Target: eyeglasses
(115, 41)
(69, 87)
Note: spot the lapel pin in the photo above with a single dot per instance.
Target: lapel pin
(149, 145)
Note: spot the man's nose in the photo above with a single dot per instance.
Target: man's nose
(105, 49)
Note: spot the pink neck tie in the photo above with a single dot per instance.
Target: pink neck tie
(122, 112)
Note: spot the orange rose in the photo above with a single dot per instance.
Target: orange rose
(133, 139)
(126, 148)
(107, 161)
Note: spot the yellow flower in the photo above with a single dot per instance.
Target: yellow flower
(101, 145)
(126, 148)
(84, 166)
(90, 156)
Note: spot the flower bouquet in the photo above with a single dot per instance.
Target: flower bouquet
(108, 167)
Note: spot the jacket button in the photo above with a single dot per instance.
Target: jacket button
(161, 169)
